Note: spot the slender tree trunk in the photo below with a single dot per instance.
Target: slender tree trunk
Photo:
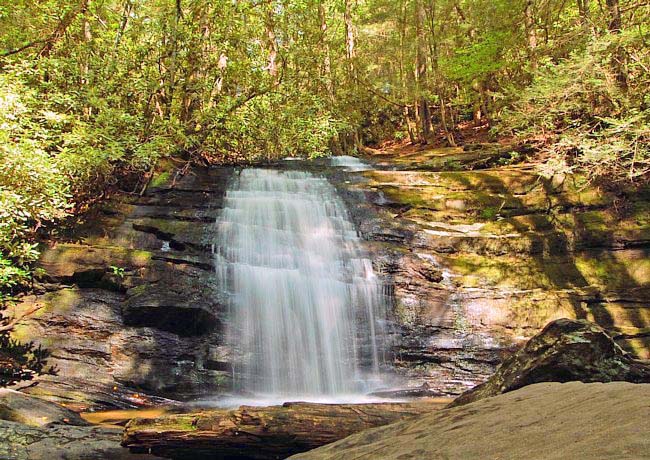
(615, 22)
(350, 50)
(440, 90)
(619, 59)
(531, 33)
(272, 44)
(85, 63)
(444, 122)
(584, 9)
(222, 63)
(327, 63)
(471, 31)
(422, 105)
(169, 90)
(128, 6)
(411, 127)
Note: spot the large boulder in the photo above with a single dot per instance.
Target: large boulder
(565, 350)
(62, 442)
(28, 410)
(550, 421)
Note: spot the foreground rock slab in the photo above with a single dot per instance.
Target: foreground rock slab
(33, 429)
(565, 350)
(544, 421)
(262, 432)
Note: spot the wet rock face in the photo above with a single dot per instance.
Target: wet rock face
(477, 263)
(564, 351)
(127, 308)
(510, 250)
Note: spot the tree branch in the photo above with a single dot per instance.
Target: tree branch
(22, 48)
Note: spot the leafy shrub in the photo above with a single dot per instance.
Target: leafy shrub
(583, 115)
(54, 158)
(273, 126)
(33, 188)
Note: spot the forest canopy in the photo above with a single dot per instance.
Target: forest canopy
(93, 93)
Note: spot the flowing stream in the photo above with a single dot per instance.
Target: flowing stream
(307, 312)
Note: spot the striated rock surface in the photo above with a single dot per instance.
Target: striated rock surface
(61, 442)
(479, 256)
(31, 429)
(565, 350)
(21, 408)
(512, 251)
(126, 308)
(550, 421)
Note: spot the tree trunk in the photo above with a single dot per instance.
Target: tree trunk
(85, 62)
(443, 121)
(272, 43)
(410, 126)
(128, 6)
(531, 34)
(327, 64)
(584, 10)
(422, 106)
(615, 22)
(168, 90)
(619, 58)
(349, 37)
(262, 432)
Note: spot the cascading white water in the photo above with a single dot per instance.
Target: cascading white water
(350, 163)
(306, 309)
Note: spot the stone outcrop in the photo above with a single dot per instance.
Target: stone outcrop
(126, 307)
(565, 350)
(31, 429)
(21, 408)
(553, 421)
(480, 256)
(514, 251)
(61, 442)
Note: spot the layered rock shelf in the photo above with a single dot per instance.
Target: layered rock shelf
(478, 255)
(482, 256)
(127, 308)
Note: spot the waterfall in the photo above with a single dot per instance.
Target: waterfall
(306, 311)
(350, 163)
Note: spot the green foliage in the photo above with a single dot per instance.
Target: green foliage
(33, 189)
(21, 361)
(117, 271)
(586, 118)
(489, 213)
(274, 126)
(92, 93)
(477, 61)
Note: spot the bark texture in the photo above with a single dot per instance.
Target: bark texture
(263, 432)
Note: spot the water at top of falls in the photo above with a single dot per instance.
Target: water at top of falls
(306, 311)
(350, 163)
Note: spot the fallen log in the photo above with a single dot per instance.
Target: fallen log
(263, 433)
